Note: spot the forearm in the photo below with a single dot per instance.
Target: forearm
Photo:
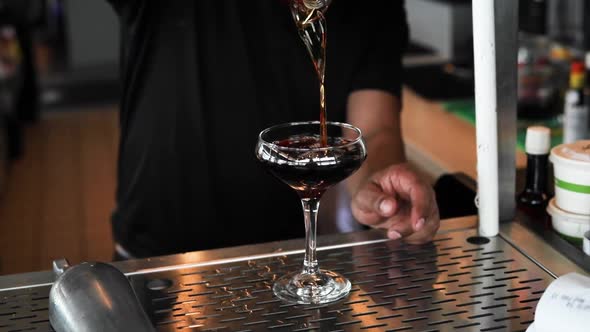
(377, 114)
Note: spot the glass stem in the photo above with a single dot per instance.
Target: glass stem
(310, 213)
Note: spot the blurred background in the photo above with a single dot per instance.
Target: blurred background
(59, 91)
(58, 130)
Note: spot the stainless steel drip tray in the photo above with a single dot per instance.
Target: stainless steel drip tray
(452, 284)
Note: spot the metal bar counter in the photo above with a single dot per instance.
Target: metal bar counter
(459, 282)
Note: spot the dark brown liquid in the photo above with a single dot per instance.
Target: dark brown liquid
(311, 24)
(315, 170)
(532, 201)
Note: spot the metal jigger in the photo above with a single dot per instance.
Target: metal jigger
(94, 297)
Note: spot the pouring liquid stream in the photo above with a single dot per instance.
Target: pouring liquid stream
(311, 25)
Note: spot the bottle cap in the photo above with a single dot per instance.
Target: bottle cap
(560, 53)
(577, 67)
(538, 140)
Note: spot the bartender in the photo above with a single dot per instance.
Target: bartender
(202, 78)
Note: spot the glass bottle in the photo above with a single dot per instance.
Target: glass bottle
(533, 199)
(575, 112)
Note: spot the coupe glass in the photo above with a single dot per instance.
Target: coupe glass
(292, 152)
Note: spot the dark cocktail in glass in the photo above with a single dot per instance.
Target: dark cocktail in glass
(294, 153)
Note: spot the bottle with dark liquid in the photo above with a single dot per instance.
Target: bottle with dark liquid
(533, 199)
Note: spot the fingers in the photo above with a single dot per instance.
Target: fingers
(427, 233)
(399, 227)
(372, 206)
(425, 216)
(397, 200)
(401, 180)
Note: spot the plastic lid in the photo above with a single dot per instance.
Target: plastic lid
(538, 140)
(575, 153)
(554, 211)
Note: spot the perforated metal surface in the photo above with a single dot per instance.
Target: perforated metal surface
(449, 285)
(24, 310)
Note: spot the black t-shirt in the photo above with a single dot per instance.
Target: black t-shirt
(201, 79)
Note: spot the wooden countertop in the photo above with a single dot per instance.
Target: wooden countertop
(437, 141)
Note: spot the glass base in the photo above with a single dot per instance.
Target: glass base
(302, 288)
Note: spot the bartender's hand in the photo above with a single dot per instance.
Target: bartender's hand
(398, 200)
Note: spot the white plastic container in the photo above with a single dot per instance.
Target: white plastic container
(571, 167)
(569, 224)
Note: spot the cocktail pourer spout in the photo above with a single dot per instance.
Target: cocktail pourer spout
(316, 4)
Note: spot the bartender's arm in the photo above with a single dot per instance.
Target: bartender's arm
(386, 193)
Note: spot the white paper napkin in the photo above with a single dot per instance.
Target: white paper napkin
(564, 306)
(531, 328)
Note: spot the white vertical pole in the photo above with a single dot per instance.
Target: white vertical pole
(484, 48)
